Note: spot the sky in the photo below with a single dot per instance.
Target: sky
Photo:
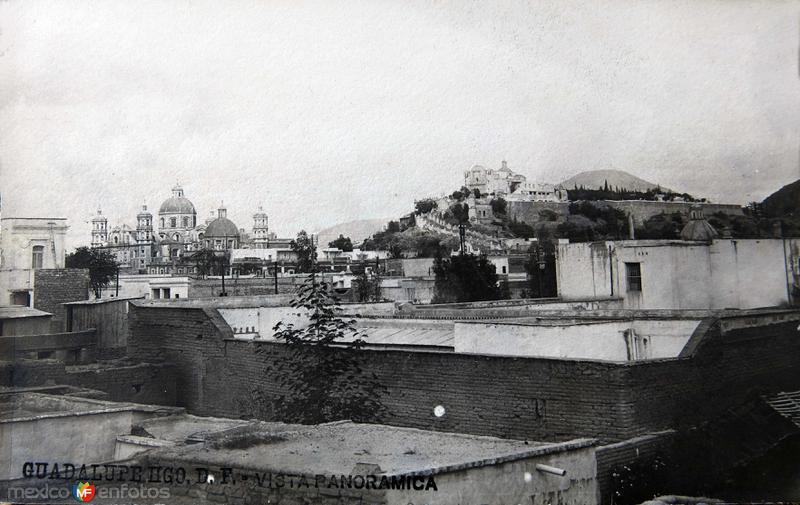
(326, 112)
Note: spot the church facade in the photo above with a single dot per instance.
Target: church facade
(161, 244)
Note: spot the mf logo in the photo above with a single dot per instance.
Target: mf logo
(83, 491)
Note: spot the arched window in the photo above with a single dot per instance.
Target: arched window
(176, 237)
(162, 222)
(173, 222)
(37, 258)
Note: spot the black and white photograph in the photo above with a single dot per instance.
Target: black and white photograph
(423, 252)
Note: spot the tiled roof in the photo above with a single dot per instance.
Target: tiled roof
(786, 404)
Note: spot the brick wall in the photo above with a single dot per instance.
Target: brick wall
(508, 397)
(52, 287)
(612, 456)
(540, 399)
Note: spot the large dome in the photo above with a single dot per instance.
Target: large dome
(177, 203)
(221, 227)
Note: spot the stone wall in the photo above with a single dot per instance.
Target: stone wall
(640, 210)
(53, 287)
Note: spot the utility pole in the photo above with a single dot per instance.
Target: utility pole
(276, 277)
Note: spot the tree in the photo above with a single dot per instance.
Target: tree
(367, 287)
(321, 373)
(499, 206)
(425, 206)
(205, 260)
(303, 246)
(458, 213)
(465, 278)
(102, 266)
(343, 243)
(393, 227)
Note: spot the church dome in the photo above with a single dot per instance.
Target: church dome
(698, 228)
(221, 227)
(177, 203)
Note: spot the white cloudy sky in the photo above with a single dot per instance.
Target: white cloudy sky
(330, 111)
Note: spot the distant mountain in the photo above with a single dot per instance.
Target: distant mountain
(784, 202)
(357, 230)
(595, 179)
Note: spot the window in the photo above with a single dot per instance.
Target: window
(504, 270)
(37, 257)
(162, 222)
(173, 222)
(633, 272)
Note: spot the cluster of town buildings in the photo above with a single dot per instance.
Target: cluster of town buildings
(683, 350)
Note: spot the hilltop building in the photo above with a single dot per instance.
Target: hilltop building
(510, 185)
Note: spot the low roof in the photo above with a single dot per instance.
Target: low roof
(20, 311)
(96, 301)
(336, 448)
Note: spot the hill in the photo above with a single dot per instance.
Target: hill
(784, 202)
(357, 230)
(594, 179)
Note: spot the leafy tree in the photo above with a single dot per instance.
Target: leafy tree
(367, 287)
(425, 206)
(322, 383)
(393, 227)
(458, 213)
(102, 266)
(465, 278)
(343, 243)
(303, 246)
(476, 193)
(206, 261)
(499, 206)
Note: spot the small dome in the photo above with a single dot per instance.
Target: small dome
(698, 228)
(221, 227)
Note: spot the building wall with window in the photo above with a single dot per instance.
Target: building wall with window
(672, 274)
(26, 245)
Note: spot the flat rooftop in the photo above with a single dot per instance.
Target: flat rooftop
(29, 406)
(21, 311)
(337, 448)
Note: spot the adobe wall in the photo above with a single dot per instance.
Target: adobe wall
(52, 287)
(149, 383)
(205, 288)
